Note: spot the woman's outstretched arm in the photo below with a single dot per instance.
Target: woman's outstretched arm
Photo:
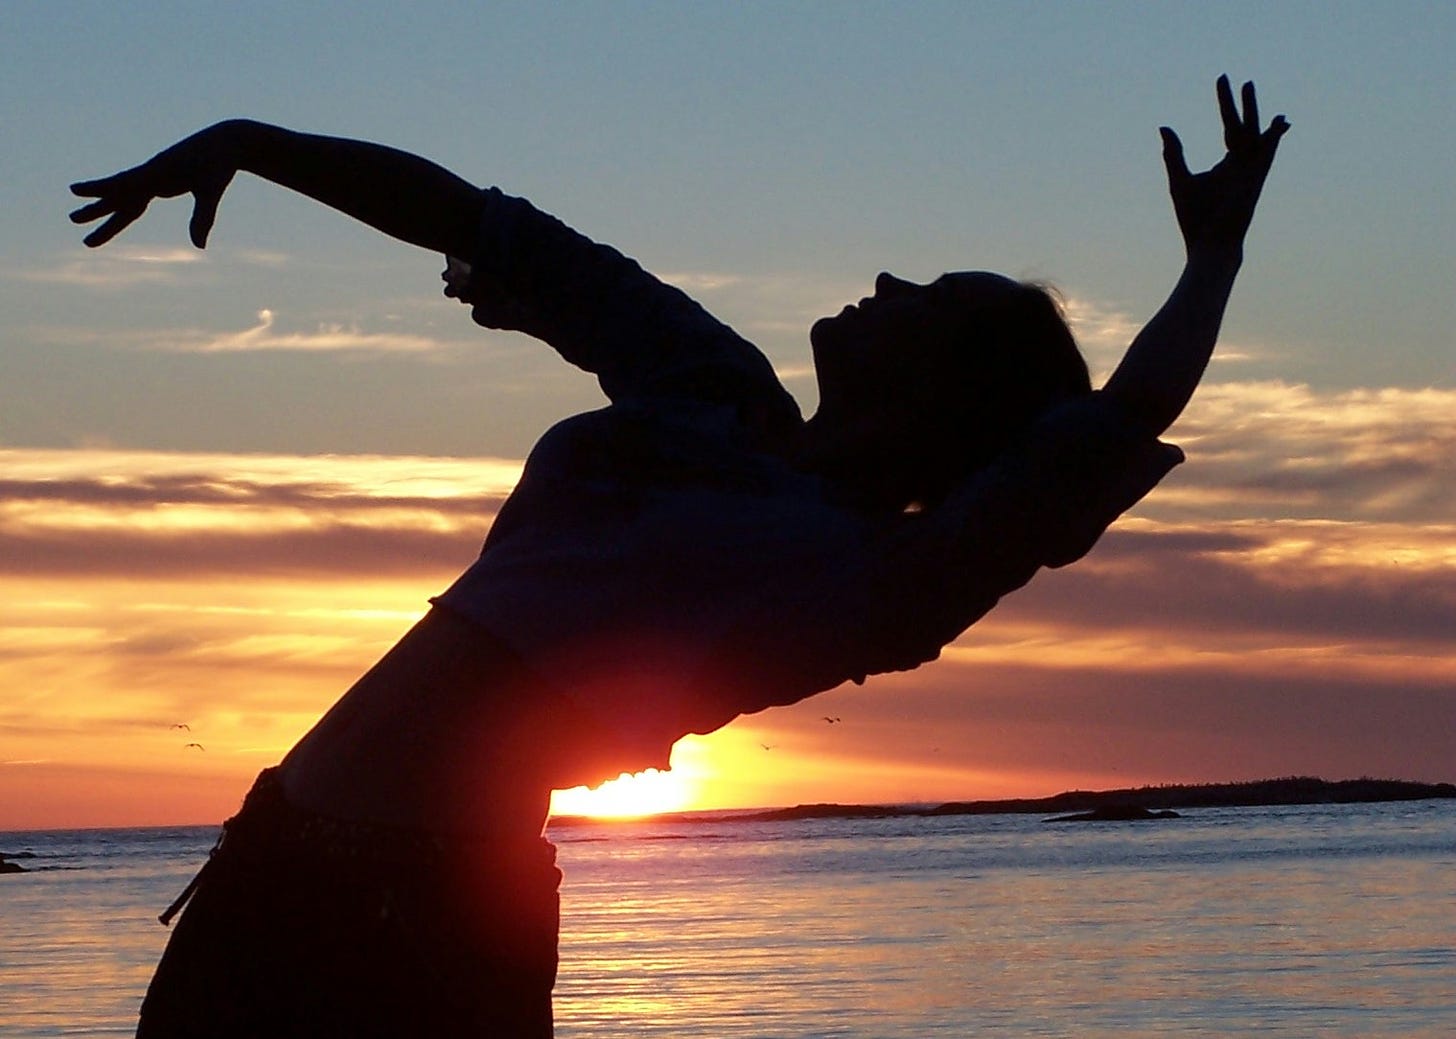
(398, 193)
(531, 273)
(1160, 371)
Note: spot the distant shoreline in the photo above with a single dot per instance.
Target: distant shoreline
(1291, 790)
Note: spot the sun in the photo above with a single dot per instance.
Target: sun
(642, 793)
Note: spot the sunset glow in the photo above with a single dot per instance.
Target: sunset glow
(151, 601)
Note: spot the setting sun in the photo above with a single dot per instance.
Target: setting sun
(627, 796)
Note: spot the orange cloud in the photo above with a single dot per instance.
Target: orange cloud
(155, 514)
(235, 595)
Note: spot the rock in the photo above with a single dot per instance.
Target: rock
(1115, 814)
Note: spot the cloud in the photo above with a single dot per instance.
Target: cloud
(118, 267)
(164, 255)
(325, 337)
(777, 308)
(1376, 596)
(1147, 725)
(700, 281)
(121, 266)
(435, 477)
(794, 372)
(1277, 449)
(339, 548)
(88, 513)
(262, 258)
(1104, 332)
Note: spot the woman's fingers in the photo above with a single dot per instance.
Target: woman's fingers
(1242, 131)
(118, 222)
(108, 193)
(204, 212)
(1229, 112)
(120, 210)
(1251, 109)
(101, 187)
(1239, 129)
(113, 200)
(1173, 158)
(92, 211)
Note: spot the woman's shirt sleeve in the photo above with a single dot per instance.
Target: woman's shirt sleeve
(602, 312)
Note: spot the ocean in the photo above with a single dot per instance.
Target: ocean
(1323, 920)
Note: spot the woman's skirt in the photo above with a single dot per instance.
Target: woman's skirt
(299, 925)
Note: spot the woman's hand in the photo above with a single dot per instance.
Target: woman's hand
(1162, 367)
(201, 165)
(1214, 208)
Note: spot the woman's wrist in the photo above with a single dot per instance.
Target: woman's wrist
(1216, 259)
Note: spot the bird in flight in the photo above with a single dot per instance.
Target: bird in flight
(197, 745)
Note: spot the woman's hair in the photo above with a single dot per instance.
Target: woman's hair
(1010, 358)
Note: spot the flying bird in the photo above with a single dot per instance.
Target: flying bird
(197, 745)
(830, 720)
(182, 725)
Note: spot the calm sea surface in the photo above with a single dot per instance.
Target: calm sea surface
(1310, 921)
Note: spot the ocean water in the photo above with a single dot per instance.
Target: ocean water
(1307, 921)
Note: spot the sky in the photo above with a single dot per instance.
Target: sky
(230, 479)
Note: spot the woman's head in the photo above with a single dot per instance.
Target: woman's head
(921, 385)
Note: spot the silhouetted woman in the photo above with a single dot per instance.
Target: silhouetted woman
(691, 552)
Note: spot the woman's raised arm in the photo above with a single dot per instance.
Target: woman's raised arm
(1164, 364)
(398, 193)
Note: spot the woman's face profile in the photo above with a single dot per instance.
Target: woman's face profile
(893, 337)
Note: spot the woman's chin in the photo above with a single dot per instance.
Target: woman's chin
(824, 330)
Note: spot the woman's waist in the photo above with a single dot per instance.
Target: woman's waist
(274, 823)
(446, 732)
